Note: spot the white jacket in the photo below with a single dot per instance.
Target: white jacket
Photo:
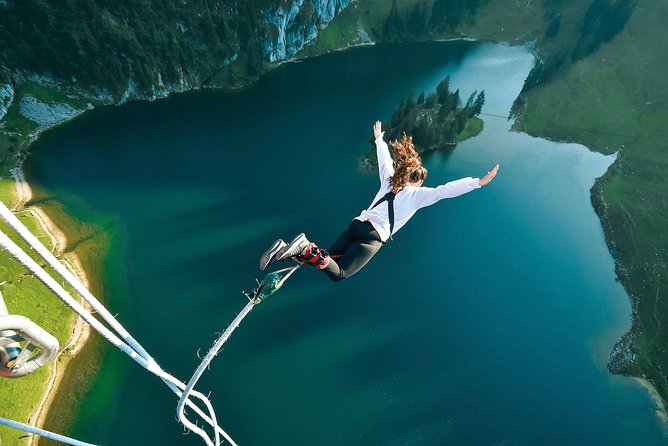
(409, 199)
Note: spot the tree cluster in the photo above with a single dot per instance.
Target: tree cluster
(603, 20)
(427, 16)
(435, 120)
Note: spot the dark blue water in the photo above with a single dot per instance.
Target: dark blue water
(487, 321)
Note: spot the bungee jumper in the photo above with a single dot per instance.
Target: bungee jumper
(400, 187)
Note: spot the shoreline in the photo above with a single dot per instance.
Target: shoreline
(660, 405)
(80, 330)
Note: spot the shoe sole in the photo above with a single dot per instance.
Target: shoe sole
(296, 242)
(270, 254)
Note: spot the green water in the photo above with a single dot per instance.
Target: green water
(487, 321)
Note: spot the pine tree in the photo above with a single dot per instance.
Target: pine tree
(479, 102)
(431, 101)
(256, 59)
(443, 90)
(410, 103)
(394, 25)
(456, 100)
(469, 101)
(417, 21)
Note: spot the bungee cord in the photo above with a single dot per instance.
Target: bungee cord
(180, 409)
(269, 285)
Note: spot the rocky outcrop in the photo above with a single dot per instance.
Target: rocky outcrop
(326, 10)
(6, 98)
(46, 115)
(295, 26)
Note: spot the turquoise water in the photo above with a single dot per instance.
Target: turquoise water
(487, 321)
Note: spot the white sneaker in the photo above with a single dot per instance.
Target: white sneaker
(295, 248)
(270, 254)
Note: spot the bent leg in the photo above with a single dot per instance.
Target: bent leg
(355, 257)
(341, 244)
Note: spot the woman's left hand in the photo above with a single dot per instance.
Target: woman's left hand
(489, 177)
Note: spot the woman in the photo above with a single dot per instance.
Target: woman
(400, 195)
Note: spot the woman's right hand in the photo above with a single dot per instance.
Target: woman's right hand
(377, 131)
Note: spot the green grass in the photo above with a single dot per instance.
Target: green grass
(234, 76)
(25, 295)
(7, 192)
(51, 95)
(366, 15)
(14, 136)
(473, 128)
(341, 32)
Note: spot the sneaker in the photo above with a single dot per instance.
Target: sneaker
(295, 248)
(270, 254)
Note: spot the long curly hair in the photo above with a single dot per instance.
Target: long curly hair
(408, 166)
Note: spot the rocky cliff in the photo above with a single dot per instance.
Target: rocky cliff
(289, 29)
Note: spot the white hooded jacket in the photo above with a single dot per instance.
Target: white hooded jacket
(408, 200)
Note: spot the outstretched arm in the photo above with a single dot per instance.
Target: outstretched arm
(489, 177)
(385, 163)
(427, 196)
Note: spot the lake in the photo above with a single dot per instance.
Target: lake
(487, 321)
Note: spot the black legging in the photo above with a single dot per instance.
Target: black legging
(356, 245)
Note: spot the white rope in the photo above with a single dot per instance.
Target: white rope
(218, 345)
(42, 432)
(132, 348)
(205, 363)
